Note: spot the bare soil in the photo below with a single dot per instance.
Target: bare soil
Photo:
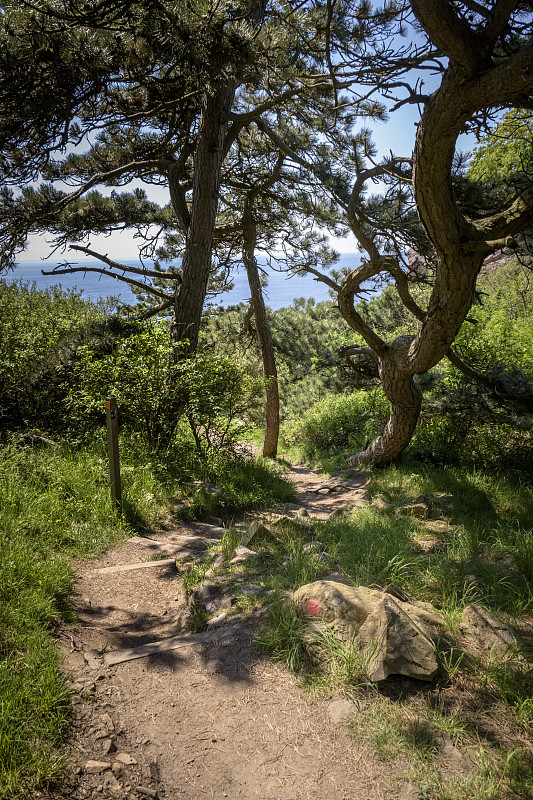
(212, 719)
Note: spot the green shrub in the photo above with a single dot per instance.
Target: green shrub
(345, 420)
(153, 393)
(39, 332)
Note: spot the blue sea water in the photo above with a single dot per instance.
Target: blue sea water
(280, 291)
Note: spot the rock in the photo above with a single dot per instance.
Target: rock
(379, 502)
(250, 588)
(218, 620)
(418, 510)
(242, 553)
(488, 632)
(93, 659)
(111, 784)
(216, 521)
(96, 767)
(344, 509)
(338, 710)
(107, 722)
(390, 623)
(108, 746)
(397, 592)
(210, 597)
(430, 544)
(302, 513)
(397, 645)
(338, 577)
(126, 759)
(257, 531)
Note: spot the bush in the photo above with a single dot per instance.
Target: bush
(153, 393)
(345, 421)
(38, 329)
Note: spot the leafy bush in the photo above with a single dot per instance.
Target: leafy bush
(339, 421)
(39, 329)
(153, 393)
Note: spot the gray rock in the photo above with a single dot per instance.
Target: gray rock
(379, 502)
(96, 767)
(126, 759)
(210, 597)
(108, 746)
(242, 553)
(344, 509)
(488, 632)
(339, 710)
(257, 531)
(399, 633)
(398, 646)
(111, 784)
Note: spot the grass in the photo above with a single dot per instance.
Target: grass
(482, 704)
(55, 505)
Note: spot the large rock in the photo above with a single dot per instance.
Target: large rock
(397, 644)
(487, 632)
(400, 632)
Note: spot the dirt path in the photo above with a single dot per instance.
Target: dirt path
(213, 717)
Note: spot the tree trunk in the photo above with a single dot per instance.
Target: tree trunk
(405, 398)
(190, 295)
(270, 442)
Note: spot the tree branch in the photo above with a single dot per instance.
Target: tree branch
(145, 287)
(150, 273)
(450, 33)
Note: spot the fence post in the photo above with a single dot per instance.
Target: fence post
(111, 413)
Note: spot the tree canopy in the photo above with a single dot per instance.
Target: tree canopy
(227, 103)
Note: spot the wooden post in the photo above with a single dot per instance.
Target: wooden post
(111, 413)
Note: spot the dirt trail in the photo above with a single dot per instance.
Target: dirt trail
(209, 719)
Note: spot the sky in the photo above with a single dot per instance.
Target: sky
(397, 134)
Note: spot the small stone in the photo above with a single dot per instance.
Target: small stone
(242, 553)
(487, 631)
(339, 710)
(101, 735)
(107, 722)
(256, 531)
(145, 790)
(117, 768)
(96, 767)
(218, 620)
(126, 759)
(309, 547)
(339, 512)
(338, 577)
(111, 784)
(108, 746)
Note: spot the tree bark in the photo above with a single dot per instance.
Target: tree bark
(270, 442)
(190, 295)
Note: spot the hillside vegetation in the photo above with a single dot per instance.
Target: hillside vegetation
(60, 356)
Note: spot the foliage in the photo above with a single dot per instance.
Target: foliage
(40, 331)
(338, 421)
(153, 393)
(505, 156)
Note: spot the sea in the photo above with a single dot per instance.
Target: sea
(280, 292)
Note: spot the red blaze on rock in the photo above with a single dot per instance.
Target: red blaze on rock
(314, 607)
